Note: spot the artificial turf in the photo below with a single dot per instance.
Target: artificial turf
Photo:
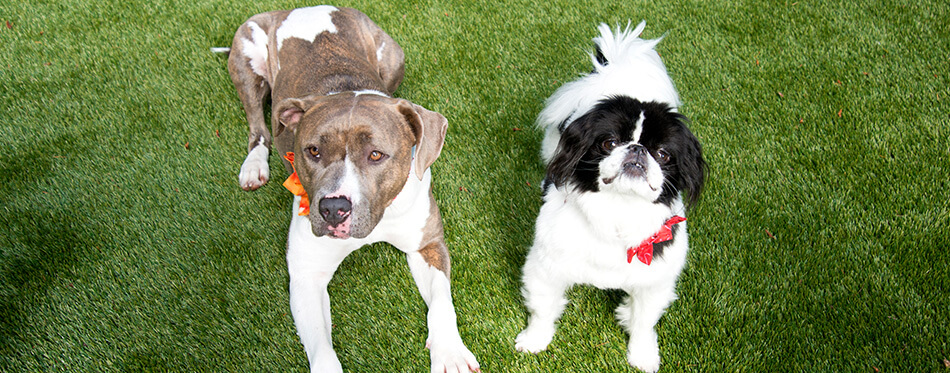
(820, 242)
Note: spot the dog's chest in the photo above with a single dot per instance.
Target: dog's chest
(591, 243)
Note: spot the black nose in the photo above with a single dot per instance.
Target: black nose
(635, 163)
(335, 210)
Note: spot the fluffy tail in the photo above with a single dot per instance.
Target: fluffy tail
(622, 45)
(224, 50)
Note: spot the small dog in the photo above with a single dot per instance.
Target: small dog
(621, 168)
(359, 160)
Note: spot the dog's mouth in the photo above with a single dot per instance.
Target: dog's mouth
(341, 231)
(632, 176)
(612, 179)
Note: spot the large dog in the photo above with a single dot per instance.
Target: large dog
(621, 167)
(360, 161)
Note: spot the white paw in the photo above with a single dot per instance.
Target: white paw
(644, 354)
(326, 363)
(255, 172)
(451, 356)
(533, 339)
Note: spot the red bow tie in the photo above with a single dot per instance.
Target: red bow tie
(644, 251)
(293, 185)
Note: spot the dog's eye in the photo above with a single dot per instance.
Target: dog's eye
(662, 156)
(375, 156)
(314, 151)
(609, 144)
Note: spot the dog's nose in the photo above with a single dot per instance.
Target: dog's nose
(635, 163)
(335, 210)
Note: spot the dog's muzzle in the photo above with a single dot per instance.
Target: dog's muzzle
(636, 161)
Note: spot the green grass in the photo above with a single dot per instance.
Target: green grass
(820, 243)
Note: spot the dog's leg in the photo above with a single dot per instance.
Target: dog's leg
(639, 313)
(249, 67)
(545, 300)
(311, 266)
(429, 267)
(389, 55)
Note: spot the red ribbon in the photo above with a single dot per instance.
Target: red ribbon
(294, 186)
(644, 251)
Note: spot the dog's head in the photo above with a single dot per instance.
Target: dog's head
(354, 153)
(630, 147)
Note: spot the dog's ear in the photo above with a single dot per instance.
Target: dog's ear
(690, 163)
(429, 128)
(687, 170)
(567, 165)
(290, 111)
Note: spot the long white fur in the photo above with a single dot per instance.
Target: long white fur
(582, 237)
(634, 69)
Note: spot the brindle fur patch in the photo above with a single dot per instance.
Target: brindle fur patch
(433, 248)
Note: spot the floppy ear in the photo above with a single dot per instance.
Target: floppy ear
(290, 111)
(692, 167)
(566, 166)
(687, 169)
(429, 128)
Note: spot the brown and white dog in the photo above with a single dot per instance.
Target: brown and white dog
(361, 156)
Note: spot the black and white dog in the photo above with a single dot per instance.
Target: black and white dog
(621, 168)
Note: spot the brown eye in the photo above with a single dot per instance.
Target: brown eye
(375, 156)
(662, 156)
(609, 144)
(314, 151)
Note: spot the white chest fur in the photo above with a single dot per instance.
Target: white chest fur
(585, 236)
(401, 225)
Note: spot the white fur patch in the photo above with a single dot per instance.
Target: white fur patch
(370, 92)
(350, 184)
(255, 49)
(306, 24)
(639, 128)
(379, 52)
(254, 171)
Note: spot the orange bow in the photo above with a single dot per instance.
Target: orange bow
(293, 185)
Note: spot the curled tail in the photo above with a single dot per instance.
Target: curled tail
(618, 45)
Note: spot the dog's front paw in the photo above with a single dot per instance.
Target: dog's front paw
(534, 339)
(644, 354)
(451, 356)
(255, 172)
(326, 363)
